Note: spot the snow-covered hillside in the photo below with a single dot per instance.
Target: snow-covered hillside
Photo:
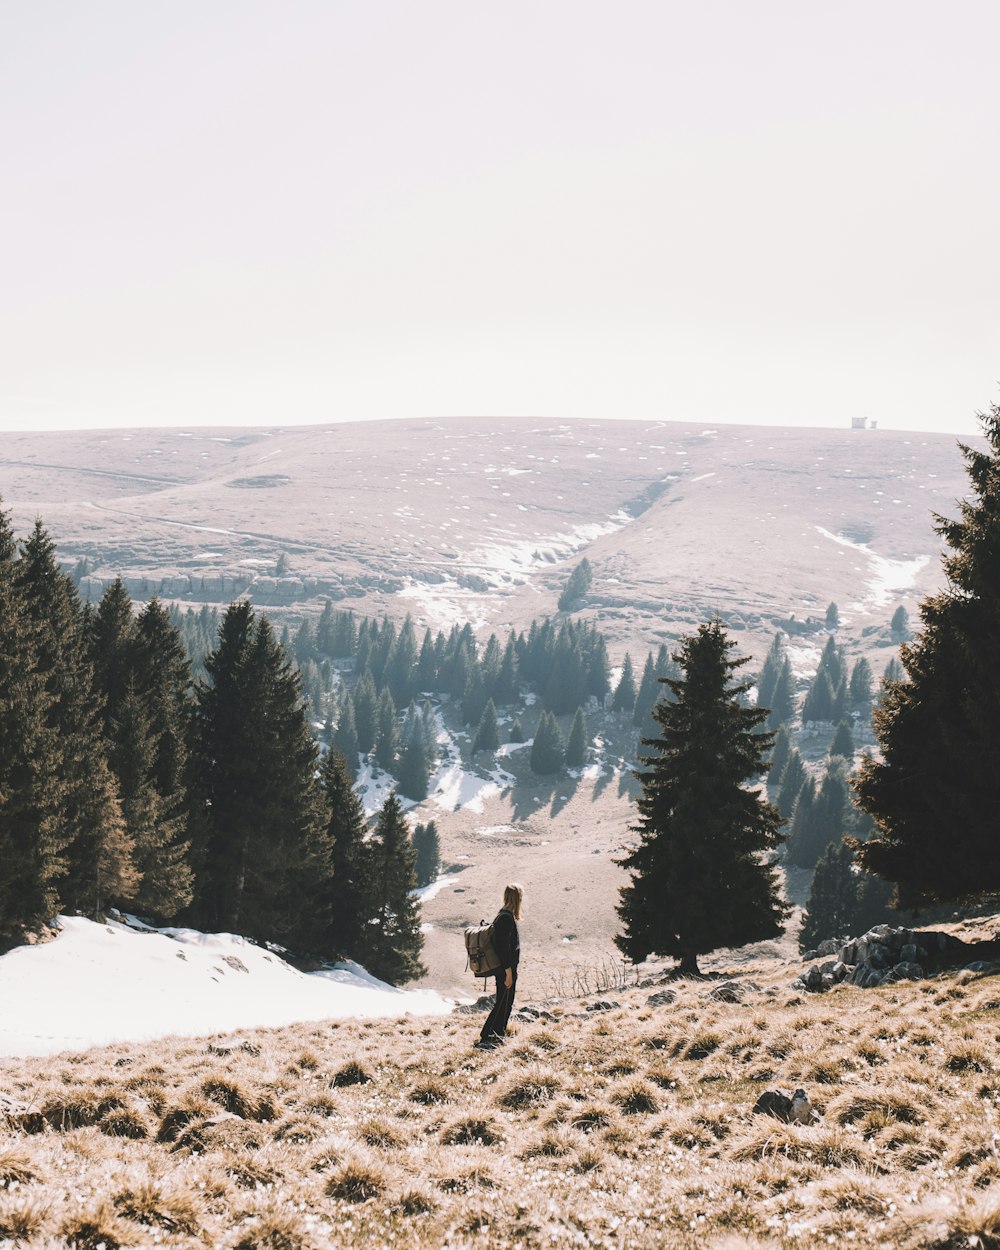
(100, 983)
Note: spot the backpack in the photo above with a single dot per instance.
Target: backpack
(481, 954)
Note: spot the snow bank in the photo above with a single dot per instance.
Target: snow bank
(102, 983)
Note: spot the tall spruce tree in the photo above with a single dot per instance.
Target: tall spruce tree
(576, 744)
(792, 777)
(701, 878)
(487, 735)
(782, 698)
(843, 902)
(935, 793)
(32, 831)
(351, 906)
(394, 940)
(623, 700)
(427, 846)
(267, 855)
(547, 749)
(576, 586)
(771, 668)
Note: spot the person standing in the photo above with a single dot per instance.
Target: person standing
(507, 942)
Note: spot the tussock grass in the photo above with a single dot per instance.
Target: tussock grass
(627, 1128)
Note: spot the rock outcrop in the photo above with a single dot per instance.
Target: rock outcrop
(885, 955)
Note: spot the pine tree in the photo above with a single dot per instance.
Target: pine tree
(387, 736)
(428, 852)
(517, 730)
(547, 749)
(782, 698)
(832, 616)
(900, 623)
(935, 793)
(487, 735)
(111, 649)
(32, 836)
(345, 736)
(598, 670)
(625, 692)
(802, 834)
(350, 906)
(267, 854)
(413, 770)
(395, 939)
(576, 746)
(646, 697)
(790, 783)
(365, 712)
(861, 687)
(779, 758)
(818, 704)
(576, 587)
(508, 680)
(700, 876)
(769, 672)
(843, 902)
(843, 742)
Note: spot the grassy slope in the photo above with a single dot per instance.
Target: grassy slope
(624, 1127)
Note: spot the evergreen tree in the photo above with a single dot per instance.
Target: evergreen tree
(802, 831)
(576, 587)
(428, 853)
(32, 832)
(547, 749)
(401, 667)
(782, 698)
(395, 939)
(429, 733)
(576, 746)
(625, 692)
(934, 794)
(832, 616)
(366, 712)
(267, 857)
(425, 678)
(646, 697)
(96, 864)
(351, 906)
(843, 902)
(517, 730)
(900, 623)
(509, 678)
(843, 742)
(413, 769)
(700, 877)
(387, 737)
(345, 736)
(111, 649)
(769, 672)
(779, 758)
(304, 645)
(861, 687)
(818, 704)
(790, 783)
(487, 735)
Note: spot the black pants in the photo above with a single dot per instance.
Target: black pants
(496, 1021)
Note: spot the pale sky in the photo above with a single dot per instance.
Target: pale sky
(245, 211)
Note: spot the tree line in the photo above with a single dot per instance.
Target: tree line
(126, 782)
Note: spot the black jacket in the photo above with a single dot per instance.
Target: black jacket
(506, 939)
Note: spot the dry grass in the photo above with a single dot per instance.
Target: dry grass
(631, 1128)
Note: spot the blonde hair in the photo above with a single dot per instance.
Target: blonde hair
(512, 896)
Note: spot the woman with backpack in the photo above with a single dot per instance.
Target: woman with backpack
(507, 943)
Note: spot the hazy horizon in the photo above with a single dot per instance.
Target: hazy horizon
(251, 214)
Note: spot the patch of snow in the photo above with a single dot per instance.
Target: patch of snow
(373, 791)
(701, 476)
(888, 577)
(803, 658)
(488, 831)
(431, 891)
(508, 748)
(97, 984)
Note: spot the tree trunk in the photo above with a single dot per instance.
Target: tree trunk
(689, 966)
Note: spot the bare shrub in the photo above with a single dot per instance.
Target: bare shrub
(352, 1073)
(72, 1111)
(532, 1089)
(147, 1204)
(472, 1130)
(124, 1122)
(233, 1098)
(635, 1098)
(94, 1228)
(355, 1181)
(429, 1092)
(379, 1134)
